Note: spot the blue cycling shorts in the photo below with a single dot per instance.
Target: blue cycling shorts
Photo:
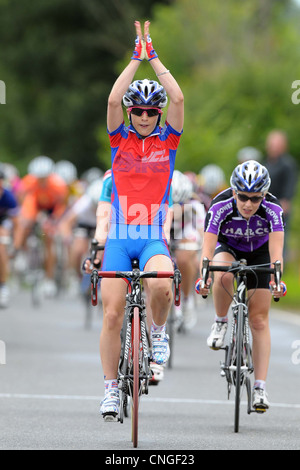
(127, 242)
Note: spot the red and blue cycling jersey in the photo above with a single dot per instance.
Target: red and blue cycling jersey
(142, 170)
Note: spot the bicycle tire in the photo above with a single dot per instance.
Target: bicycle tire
(171, 333)
(136, 334)
(239, 361)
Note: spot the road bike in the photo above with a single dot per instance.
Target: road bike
(134, 372)
(238, 364)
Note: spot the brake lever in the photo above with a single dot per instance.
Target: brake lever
(205, 273)
(277, 275)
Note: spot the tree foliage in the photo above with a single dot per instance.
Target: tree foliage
(235, 60)
(58, 62)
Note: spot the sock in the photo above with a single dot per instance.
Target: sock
(221, 319)
(157, 328)
(260, 384)
(110, 385)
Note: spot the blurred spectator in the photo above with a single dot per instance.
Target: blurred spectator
(283, 171)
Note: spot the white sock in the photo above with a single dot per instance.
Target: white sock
(158, 328)
(110, 385)
(221, 319)
(260, 384)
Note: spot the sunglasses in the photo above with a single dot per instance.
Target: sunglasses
(253, 199)
(151, 112)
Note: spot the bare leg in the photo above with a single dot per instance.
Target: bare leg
(113, 293)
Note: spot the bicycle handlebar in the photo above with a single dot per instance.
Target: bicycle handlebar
(136, 275)
(241, 266)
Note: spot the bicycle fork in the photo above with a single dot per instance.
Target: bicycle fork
(228, 368)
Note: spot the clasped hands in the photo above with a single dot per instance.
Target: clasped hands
(143, 43)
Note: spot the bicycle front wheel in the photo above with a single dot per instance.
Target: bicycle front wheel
(136, 334)
(239, 363)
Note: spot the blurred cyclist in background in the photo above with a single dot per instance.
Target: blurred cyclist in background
(212, 180)
(42, 193)
(77, 227)
(186, 240)
(9, 219)
(68, 172)
(90, 175)
(12, 177)
(249, 153)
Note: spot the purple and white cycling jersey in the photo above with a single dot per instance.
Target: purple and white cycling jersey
(223, 219)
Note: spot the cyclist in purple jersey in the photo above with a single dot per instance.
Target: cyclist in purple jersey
(143, 158)
(245, 222)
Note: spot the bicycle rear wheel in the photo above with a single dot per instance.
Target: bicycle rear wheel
(136, 334)
(239, 363)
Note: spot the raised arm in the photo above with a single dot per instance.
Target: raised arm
(114, 110)
(175, 115)
(144, 50)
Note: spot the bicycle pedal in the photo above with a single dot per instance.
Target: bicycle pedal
(111, 417)
(260, 410)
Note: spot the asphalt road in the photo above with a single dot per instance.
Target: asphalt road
(52, 384)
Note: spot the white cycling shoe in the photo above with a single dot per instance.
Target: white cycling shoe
(157, 373)
(216, 338)
(260, 399)
(110, 406)
(160, 347)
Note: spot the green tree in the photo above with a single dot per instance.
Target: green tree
(58, 61)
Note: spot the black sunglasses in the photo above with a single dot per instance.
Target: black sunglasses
(254, 199)
(151, 112)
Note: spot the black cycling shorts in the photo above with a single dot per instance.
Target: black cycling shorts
(257, 257)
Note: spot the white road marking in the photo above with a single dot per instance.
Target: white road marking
(184, 401)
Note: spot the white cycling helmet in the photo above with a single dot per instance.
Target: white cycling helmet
(145, 93)
(212, 179)
(249, 153)
(41, 167)
(250, 177)
(182, 187)
(92, 174)
(66, 170)
(94, 190)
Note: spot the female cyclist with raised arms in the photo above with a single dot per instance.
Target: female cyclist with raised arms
(245, 222)
(143, 159)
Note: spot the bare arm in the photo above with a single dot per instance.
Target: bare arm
(175, 116)
(114, 110)
(276, 240)
(103, 220)
(176, 106)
